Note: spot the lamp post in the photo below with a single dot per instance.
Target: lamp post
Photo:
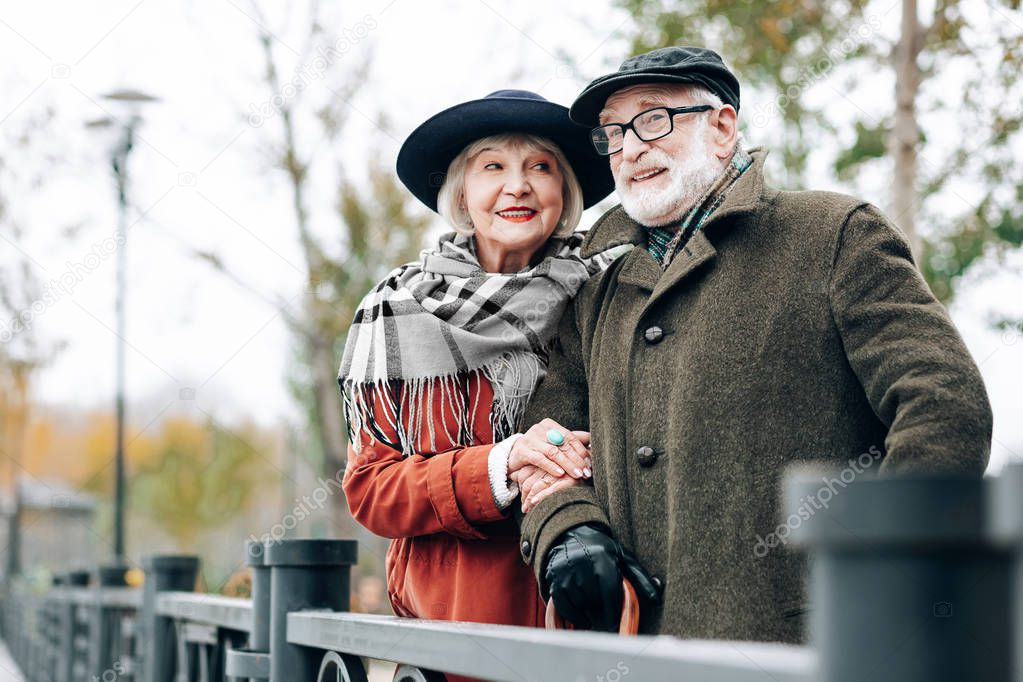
(131, 101)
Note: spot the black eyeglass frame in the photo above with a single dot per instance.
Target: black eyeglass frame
(626, 127)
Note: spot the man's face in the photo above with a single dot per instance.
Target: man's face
(659, 181)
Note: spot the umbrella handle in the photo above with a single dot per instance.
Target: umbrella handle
(630, 613)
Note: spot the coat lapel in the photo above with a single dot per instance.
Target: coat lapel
(698, 251)
(640, 269)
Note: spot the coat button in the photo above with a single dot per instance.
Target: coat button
(653, 335)
(647, 456)
(526, 548)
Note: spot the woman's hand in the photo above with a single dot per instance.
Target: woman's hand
(536, 484)
(572, 457)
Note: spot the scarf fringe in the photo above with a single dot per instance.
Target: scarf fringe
(382, 410)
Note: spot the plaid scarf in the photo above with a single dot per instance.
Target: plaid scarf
(429, 326)
(664, 242)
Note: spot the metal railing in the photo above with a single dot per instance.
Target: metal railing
(912, 579)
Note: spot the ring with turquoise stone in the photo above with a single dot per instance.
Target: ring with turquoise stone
(555, 437)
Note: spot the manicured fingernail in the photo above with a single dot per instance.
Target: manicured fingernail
(560, 471)
(578, 473)
(587, 472)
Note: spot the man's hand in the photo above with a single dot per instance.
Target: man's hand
(536, 484)
(584, 574)
(571, 458)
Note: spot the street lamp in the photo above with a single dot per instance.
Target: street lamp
(131, 102)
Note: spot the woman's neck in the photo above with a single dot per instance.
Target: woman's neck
(507, 262)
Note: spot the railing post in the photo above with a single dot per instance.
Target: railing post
(253, 662)
(47, 632)
(101, 632)
(156, 633)
(255, 558)
(304, 574)
(904, 577)
(1006, 514)
(66, 625)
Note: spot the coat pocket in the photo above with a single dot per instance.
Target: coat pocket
(793, 611)
(793, 622)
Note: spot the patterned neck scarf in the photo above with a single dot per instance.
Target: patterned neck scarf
(429, 326)
(664, 242)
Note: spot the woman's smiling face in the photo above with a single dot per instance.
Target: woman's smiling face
(513, 194)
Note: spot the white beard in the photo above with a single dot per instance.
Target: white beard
(689, 177)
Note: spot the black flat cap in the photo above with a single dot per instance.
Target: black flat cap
(666, 65)
(425, 155)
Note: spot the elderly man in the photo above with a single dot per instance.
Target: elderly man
(749, 328)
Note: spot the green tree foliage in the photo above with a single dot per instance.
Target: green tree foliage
(382, 231)
(199, 476)
(965, 182)
(779, 47)
(373, 227)
(22, 292)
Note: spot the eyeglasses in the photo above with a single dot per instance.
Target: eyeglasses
(649, 125)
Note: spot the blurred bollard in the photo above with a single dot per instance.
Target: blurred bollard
(1006, 515)
(66, 626)
(103, 624)
(906, 582)
(255, 557)
(304, 574)
(254, 662)
(174, 573)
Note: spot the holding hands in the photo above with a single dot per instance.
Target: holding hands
(548, 458)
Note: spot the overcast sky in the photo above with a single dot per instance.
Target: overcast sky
(203, 182)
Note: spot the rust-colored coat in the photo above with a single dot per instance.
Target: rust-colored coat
(454, 554)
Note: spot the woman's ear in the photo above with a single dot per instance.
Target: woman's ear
(726, 131)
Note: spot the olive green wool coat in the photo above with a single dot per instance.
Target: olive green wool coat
(794, 327)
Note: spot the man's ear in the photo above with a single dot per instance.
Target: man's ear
(725, 123)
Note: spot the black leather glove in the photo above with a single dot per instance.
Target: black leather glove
(584, 572)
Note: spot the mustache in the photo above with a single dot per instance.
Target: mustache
(653, 159)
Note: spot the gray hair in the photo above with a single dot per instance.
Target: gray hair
(697, 94)
(451, 198)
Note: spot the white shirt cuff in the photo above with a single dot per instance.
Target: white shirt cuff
(504, 490)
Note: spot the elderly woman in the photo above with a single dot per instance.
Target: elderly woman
(444, 354)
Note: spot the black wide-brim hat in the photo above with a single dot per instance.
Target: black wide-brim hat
(678, 64)
(426, 154)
